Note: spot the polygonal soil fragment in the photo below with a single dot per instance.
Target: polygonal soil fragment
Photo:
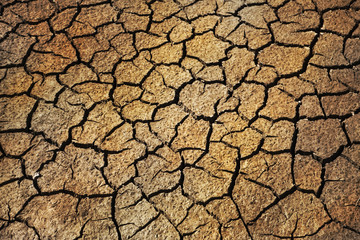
(14, 112)
(299, 214)
(286, 60)
(14, 195)
(307, 173)
(321, 137)
(75, 169)
(247, 140)
(341, 192)
(206, 47)
(191, 134)
(201, 98)
(131, 212)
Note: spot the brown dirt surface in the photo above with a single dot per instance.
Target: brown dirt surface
(180, 119)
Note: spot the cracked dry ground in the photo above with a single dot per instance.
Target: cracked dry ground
(180, 119)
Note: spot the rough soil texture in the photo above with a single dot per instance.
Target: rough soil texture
(180, 119)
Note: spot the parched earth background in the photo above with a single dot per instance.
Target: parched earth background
(180, 119)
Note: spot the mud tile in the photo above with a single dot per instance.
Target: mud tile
(294, 11)
(334, 231)
(338, 21)
(341, 105)
(77, 74)
(167, 53)
(296, 87)
(78, 29)
(155, 90)
(322, 81)
(160, 228)
(34, 11)
(234, 71)
(322, 137)
(181, 32)
(279, 137)
(173, 75)
(307, 173)
(46, 88)
(135, 71)
(96, 91)
(121, 167)
(328, 51)
(224, 209)
(16, 143)
(220, 160)
(173, 204)
(352, 153)
(14, 195)
(41, 151)
(158, 172)
(299, 214)
(202, 185)
(63, 19)
(191, 156)
(164, 9)
(310, 107)
(234, 230)
(9, 169)
(97, 15)
(15, 81)
(16, 46)
(205, 23)
(279, 105)
(191, 134)
(125, 94)
(138, 110)
(247, 141)
(206, 47)
(199, 223)
(251, 198)
(352, 126)
(286, 60)
(64, 221)
(271, 170)
(265, 75)
(18, 230)
(251, 97)
(14, 111)
(165, 27)
(134, 6)
(347, 77)
(105, 61)
(101, 120)
(201, 98)
(75, 170)
(323, 4)
(165, 121)
(351, 52)
(226, 25)
(292, 34)
(146, 41)
(200, 8)
(60, 120)
(258, 16)
(87, 46)
(132, 218)
(341, 194)
(226, 123)
(97, 228)
(123, 44)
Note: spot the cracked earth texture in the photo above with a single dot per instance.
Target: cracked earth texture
(180, 119)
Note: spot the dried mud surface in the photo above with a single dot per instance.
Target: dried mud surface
(180, 119)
